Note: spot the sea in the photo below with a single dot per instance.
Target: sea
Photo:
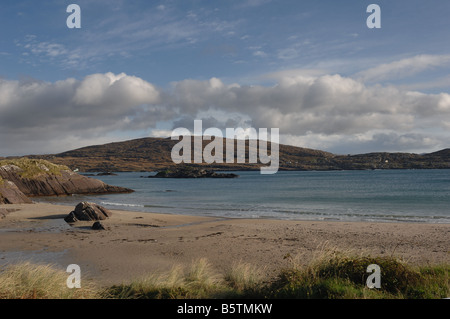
(421, 196)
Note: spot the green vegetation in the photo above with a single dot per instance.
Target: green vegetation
(339, 276)
(334, 276)
(34, 167)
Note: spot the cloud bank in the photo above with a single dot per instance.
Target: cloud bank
(329, 112)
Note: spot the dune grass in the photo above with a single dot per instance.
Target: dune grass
(197, 282)
(32, 281)
(331, 276)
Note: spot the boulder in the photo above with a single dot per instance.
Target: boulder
(85, 211)
(98, 226)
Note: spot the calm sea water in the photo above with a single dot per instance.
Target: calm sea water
(379, 195)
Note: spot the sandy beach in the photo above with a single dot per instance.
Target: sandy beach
(136, 244)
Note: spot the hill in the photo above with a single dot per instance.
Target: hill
(152, 154)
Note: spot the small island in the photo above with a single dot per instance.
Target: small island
(191, 172)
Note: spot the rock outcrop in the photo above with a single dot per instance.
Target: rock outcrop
(24, 178)
(85, 211)
(10, 194)
(191, 172)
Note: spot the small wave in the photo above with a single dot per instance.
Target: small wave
(121, 204)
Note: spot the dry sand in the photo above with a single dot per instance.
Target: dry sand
(138, 243)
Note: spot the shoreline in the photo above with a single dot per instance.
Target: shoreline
(139, 243)
(129, 208)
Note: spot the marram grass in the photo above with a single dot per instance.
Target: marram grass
(197, 282)
(330, 276)
(32, 281)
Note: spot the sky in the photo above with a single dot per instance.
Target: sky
(311, 68)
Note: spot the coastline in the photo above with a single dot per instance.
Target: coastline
(136, 244)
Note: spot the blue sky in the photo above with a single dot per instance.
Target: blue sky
(312, 68)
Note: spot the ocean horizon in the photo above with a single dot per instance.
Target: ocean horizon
(368, 195)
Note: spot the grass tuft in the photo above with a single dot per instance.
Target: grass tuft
(30, 281)
(198, 282)
(246, 280)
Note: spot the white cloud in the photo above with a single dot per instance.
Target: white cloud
(252, 3)
(161, 133)
(439, 83)
(36, 114)
(111, 89)
(403, 68)
(260, 54)
(288, 53)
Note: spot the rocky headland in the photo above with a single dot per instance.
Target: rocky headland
(23, 178)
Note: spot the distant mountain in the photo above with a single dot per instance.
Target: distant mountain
(152, 154)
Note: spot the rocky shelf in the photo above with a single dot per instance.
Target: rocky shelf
(23, 178)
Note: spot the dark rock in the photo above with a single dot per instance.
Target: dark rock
(191, 172)
(71, 218)
(98, 226)
(106, 174)
(88, 212)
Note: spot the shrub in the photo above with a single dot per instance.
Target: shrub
(344, 276)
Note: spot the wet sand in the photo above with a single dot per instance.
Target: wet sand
(138, 243)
